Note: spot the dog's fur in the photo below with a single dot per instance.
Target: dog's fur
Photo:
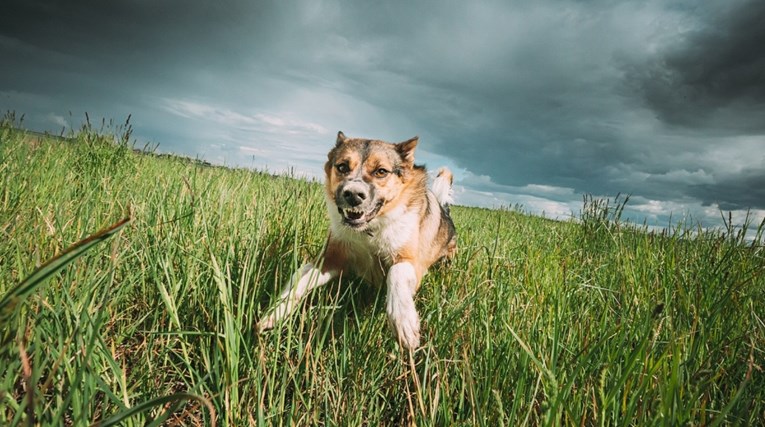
(386, 226)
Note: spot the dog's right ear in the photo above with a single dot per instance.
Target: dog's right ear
(406, 149)
(341, 138)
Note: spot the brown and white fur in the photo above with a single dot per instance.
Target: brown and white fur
(386, 227)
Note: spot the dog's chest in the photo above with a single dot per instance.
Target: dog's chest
(372, 252)
(392, 233)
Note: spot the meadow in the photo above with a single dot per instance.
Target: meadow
(591, 321)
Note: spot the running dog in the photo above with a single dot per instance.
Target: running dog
(386, 227)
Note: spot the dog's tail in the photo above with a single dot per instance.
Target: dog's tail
(442, 187)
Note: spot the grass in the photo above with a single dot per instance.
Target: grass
(536, 322)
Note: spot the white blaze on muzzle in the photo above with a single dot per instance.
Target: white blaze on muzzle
(354, 193)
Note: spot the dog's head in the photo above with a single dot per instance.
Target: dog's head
(365, 178)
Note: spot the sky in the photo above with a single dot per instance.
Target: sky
(530, 103)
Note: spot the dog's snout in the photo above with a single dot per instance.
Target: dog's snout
(354, 197)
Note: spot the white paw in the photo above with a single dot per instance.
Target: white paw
(265, 324)
(406, 324)
(402, 314)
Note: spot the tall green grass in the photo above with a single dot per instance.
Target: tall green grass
(535, 322)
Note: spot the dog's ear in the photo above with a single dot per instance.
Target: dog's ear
(406, 149)
(341, 138)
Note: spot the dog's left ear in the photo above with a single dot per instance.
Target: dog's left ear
(340, 139)
(406, 149)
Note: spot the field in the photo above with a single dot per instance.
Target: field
(536, 322)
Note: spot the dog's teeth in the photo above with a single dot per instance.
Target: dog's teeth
(353, 214)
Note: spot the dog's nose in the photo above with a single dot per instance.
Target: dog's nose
(354, 197)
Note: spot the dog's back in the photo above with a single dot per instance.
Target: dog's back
(438, 239)
(442, 189)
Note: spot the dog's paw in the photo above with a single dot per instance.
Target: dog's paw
(265, 324)
(406, 324)
(402, 314)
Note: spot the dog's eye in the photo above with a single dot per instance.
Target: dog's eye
(343, 168)
(381, 173)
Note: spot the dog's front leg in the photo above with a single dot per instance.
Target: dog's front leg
(402, 283)
(302, 282)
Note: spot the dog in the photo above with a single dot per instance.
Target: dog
(386, 227)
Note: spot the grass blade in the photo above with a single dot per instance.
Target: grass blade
(145, 406)
(20, 292)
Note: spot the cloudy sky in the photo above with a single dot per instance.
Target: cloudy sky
(529, 102)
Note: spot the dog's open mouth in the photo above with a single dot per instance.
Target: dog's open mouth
(356, 217)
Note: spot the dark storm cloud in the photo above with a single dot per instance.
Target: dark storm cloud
(511, 90)
(536, 93)
(708, 85)
(744, 190)
(93, 49)
(117, 58)
(713, 77)
(522, 92)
